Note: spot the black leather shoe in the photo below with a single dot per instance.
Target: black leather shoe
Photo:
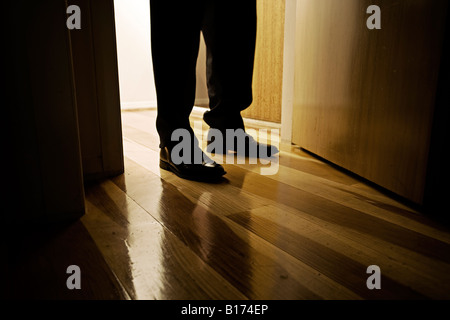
(207, 171)
(243, 145)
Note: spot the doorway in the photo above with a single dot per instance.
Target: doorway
(137, 90)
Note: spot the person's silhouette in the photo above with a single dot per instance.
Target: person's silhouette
(229, 29)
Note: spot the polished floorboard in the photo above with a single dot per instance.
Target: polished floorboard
(307, 231)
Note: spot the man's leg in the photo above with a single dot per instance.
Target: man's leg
(229, 29)
(175, 36)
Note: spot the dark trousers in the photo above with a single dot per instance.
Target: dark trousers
(229, 30)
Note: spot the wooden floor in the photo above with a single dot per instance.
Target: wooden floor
(308, 232)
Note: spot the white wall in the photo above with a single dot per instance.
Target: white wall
(137, 87)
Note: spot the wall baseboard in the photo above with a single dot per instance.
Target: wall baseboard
(152, 104)
(138, 105)
(197, 112)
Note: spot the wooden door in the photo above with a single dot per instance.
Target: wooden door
(94, 56)
(62, 85)
(364, 99)
(46, 180)
(268, 72)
